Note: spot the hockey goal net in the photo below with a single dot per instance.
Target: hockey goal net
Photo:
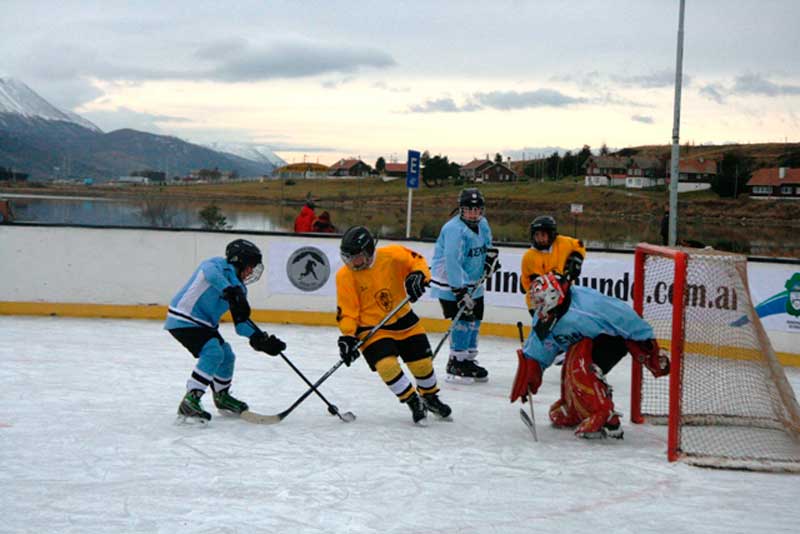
(727, 402)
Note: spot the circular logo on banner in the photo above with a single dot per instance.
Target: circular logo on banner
(308, 268)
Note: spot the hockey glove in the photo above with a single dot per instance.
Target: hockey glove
(528, 377)
(650, 355)
(240, 309)
(347, 349)
(415, 285)
(573, 266)
(262, 342)
(492, 262)
(464, 299)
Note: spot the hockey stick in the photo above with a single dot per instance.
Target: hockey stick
(463, 308)
(347, 417)
(253, 417)
(530, 421)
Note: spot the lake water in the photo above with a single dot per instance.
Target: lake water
(507, 226)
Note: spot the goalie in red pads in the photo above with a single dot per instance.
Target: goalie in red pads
(596, 332)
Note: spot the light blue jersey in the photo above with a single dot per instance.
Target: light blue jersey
(590, 314)
(458, 257)
(200, 303)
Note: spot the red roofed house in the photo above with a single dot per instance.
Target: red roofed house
(472, 170)
(780, 182)
(396, 170)
(349, 167)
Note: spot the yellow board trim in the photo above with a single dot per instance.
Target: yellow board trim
(313, 318)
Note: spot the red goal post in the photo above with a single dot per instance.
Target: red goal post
(727, 402)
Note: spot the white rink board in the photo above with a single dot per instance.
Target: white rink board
(146, 267)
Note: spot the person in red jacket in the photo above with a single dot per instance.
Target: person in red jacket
(305, 221)
(323, 224)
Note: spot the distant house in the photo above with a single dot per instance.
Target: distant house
(396, 170)
(606, 170)
(496, 172)
(695, 173)
(775, 182)
(302, 170)
(472, 170)
(349, 167)
(644, 172)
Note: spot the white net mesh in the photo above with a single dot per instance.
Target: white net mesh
(737, 409)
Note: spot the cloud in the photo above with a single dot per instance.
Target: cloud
(644, 119)
(291, 59)
(439, 105)
(755, 84)
(507, 100)
(501, 100)
(122, 117)
(714, 92)
(654, 80)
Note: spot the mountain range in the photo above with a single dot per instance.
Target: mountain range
(45, 142)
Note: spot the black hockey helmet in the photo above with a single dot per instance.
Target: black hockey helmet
(357, 242)
(470, 198)
(242, 253)
(547, 224)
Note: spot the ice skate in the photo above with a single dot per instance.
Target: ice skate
(437, 407)
(190, 410)
(465, 372)
(418, 410)
(599, 426)
(228, 404)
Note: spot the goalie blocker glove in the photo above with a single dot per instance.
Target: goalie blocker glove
(347, 349)
(492, 263)
(262, 342)
(415, 285)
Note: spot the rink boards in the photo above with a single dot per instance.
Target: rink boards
(133, 273)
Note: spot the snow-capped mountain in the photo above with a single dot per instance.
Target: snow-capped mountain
(38, 139)
(251, 151)
(18, 98)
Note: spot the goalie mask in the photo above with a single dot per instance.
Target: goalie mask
(243, 254)
(547, 225)
(547, 294)
(358, 248)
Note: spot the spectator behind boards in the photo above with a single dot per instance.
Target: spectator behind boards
(305, 220)
(323, 224)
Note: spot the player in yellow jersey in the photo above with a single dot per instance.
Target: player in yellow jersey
(370, 284)
(550, 252)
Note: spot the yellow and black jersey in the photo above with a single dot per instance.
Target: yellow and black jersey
(538, 262)
(363, 298)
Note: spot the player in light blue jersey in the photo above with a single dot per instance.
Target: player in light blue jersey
(217, 285)
(462, 255)
(596, 331)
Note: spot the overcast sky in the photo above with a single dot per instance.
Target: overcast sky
(324, 79)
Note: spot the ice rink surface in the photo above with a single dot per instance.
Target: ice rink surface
(88, 444)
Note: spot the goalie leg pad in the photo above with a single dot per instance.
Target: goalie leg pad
(563, 416)
(587, 393)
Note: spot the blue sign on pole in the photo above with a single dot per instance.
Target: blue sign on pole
(412, 170)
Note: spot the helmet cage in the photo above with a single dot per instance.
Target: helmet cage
(546, 295)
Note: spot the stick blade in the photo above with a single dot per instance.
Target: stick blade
(529, 423)
(347, 417)
(260, 419)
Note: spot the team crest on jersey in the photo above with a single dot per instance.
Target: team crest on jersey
(384, 299)
(308, 268)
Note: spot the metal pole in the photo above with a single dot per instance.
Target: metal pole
(408, 213)
(676, 127)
